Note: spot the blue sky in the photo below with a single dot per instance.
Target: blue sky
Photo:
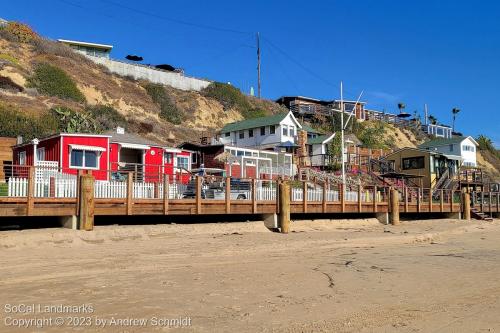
(443, 53)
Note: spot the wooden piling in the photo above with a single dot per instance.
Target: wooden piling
(86, 216)
(323, 203)
(254, 195)
(359, 199)
(441, 200)
(130, 193)
(198, 194)
(304, 197)
(375, 198)
(228, 195)
(166, 193)
(394, 201)
(466, 206)
(284, 207)
(31, 192)
(342, 197)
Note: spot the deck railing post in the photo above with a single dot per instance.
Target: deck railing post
(498, 201)
(394, 204)
(130, 192)
(419, 199)
(482, 201)
(441, 200)
(228, 195)
(406, 198)
(323, 203)
(86, 216)
(254, 195)
(284, 207)
(304, 197)
(374, 198)
(359, 199)
(166, 193)
(198, 194)
(489, 202)
(466, 206)
(342, 197)
(30, 204)
(430, 200)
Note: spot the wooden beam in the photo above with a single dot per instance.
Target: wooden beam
(166, 193)
(228, 195)
(304, 197)
(466, 206)
(441, 200)
(198, 194)
(30, 205)
(419, 198)
(323, 203)
(87, 209)
(254, 195)
(430, 200)
(130, 192)
(284, 212)
(375, 198)
(359, 199)
(394, 206)
(406, 198)
(342, 198)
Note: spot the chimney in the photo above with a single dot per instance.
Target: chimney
(19, 140)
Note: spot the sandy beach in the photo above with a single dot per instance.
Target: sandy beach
(325, 276)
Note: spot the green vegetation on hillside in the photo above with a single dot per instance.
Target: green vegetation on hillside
(14, 123)
(485, 144)
(232, 98)
(53, 81)
(106, 117)
(168, 110)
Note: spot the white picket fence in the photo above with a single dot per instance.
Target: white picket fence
(63, 186)
(116, 189)
(331, 195)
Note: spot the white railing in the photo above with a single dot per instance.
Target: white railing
(18, 187)
(116, 189)
(277, 170)
(110, 189)
(57, 185)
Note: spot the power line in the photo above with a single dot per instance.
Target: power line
(174, 20)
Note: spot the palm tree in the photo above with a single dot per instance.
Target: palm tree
(401, 107)
(433, 120)
(454, 111)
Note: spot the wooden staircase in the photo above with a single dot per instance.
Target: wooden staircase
(478, 215)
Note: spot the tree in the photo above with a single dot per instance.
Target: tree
(401, 107)
(433, 120)
(454, 111)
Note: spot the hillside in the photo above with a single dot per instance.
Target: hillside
(162, 113)
(46, 87)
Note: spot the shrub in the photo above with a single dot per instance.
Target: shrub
(70, 121)
(9, 58)
(227, 95)
(372, 135)
(21, 32)
(53, 81)
(14, 123)
(485, 144)
(106, 117)
(168, 110)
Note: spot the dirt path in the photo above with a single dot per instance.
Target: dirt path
(348, 276)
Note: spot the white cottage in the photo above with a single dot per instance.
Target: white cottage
(264, 132)
(465, 147)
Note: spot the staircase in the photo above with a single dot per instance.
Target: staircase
(478, 215)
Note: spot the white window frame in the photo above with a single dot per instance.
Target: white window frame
(98, 160)
(182, 157)
(22, 157)
(40, 151)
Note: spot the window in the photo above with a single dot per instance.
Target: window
(439, 131)
(285, 130)
(22, 157)
(414, 163)
(40, 154)
(451, 147)
(239, 153)
(83, 159)
(183, 162)
(468, 148)
(272, 129)
(291, 131)
(263, 130)
(168, 158)
(227, 134)
(250, 133)
(194, 157)
(242, 134)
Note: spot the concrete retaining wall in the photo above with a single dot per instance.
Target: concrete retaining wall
(141, 72)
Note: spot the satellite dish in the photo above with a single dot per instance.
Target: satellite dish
(134, 57)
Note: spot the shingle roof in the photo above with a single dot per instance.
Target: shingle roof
(254, 123)
(309, 129)
(438, 142)
(129, 138)
(318, 140)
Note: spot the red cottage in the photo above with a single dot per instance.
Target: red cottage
(109, 156)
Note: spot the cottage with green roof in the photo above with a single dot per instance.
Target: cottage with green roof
(279, 130)
(462, 146)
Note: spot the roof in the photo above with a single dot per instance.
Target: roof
(30, 142)
(95, 45)
(309, 129)
(285, 99)
(130, 138)
(256, 122)
(438, 142)
(320, 139)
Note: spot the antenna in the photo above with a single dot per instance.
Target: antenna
(258, 64)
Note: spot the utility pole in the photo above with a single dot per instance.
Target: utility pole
(426, 114)
(258, 65)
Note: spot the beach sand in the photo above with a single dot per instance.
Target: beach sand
(325, 276)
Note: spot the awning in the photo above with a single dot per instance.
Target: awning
(87, 148)
(134, 146)
(453, 157)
